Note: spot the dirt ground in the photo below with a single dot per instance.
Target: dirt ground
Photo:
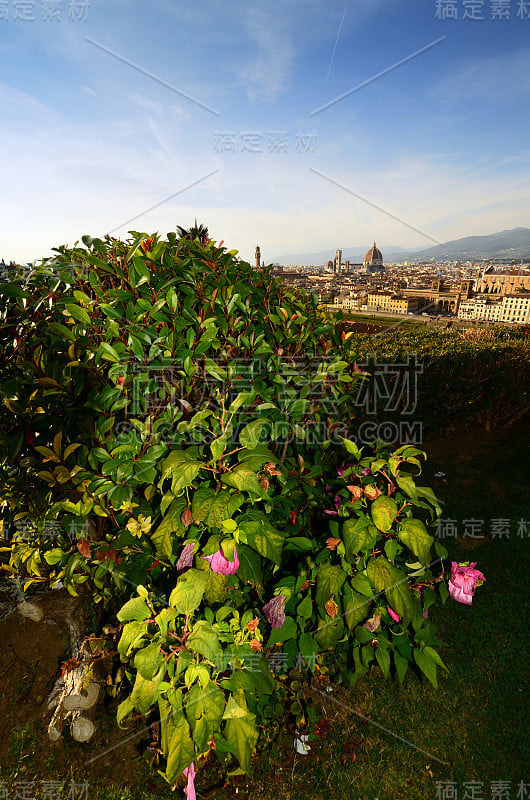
(31, 655)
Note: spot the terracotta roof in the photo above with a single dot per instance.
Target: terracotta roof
(373, 254)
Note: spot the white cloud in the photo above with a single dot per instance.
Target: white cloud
(501, 76)
(268, 68)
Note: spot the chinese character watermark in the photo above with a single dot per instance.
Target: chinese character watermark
(263, 142)
(21, 11)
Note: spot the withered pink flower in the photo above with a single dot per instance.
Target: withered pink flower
(186, 557)
(274, 611)
(373, 623)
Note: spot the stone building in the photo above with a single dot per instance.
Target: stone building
(502, 284)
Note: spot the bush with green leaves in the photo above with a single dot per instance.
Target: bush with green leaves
(180, 421)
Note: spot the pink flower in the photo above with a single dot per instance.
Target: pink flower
(274, 612)
(186, 557)
(393, 614)
(342, 470)
(189, 789)
(222, 565)
(463, 582)
(367, 471)
(334, 512)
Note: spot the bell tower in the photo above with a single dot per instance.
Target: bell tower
(258, 257)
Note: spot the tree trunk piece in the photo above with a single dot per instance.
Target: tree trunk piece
(82, 727)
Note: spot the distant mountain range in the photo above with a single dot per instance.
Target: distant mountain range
(504, 245)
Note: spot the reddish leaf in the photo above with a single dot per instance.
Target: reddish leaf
(83, 545)
(186, 517)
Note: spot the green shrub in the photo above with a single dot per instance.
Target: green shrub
(186, 416)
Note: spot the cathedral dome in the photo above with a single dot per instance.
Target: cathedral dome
(373, 256)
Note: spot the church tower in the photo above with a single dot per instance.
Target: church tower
(258, 257)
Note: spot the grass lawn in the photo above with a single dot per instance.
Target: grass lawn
(386, 741)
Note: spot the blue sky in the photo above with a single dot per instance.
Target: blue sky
(224, 126)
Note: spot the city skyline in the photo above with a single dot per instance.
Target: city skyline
(313, 124)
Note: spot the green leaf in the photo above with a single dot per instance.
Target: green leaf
(427, 666)
(392, 548)
(215, 591)
(432, 653)
(330, 631)
(183, 467)
(136, 347)
(413, 534)
(145, 692)
(357, 537)
(188, 593)
(440, 550)
(135, 245)
(428, 494)
(384, 511)
(124, 709)
(250, 435)
(243, 478)
(53, 556)
(261, 536)
(110, 311)
(202, 733)
(382, 656)
(289, 630)
(218, 447)
(107, 352)
(78, 313)
(308, 650)
(305, 608)
(407, 485)
(249, 565)
(329, 582)
(203, 640)
(61, 330)
(149, 660)
(301, 543)
(356, 607)
(135, 609)
(362, 585)
(171, 523)
(401, 666)
(132, 634)
(242, 735)
(184, 475)
(49, 453)
(233, 710)
(352, 448)
(208, 702)
(181, 750)
(243, 398)
(385, 577)
(213, 508)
